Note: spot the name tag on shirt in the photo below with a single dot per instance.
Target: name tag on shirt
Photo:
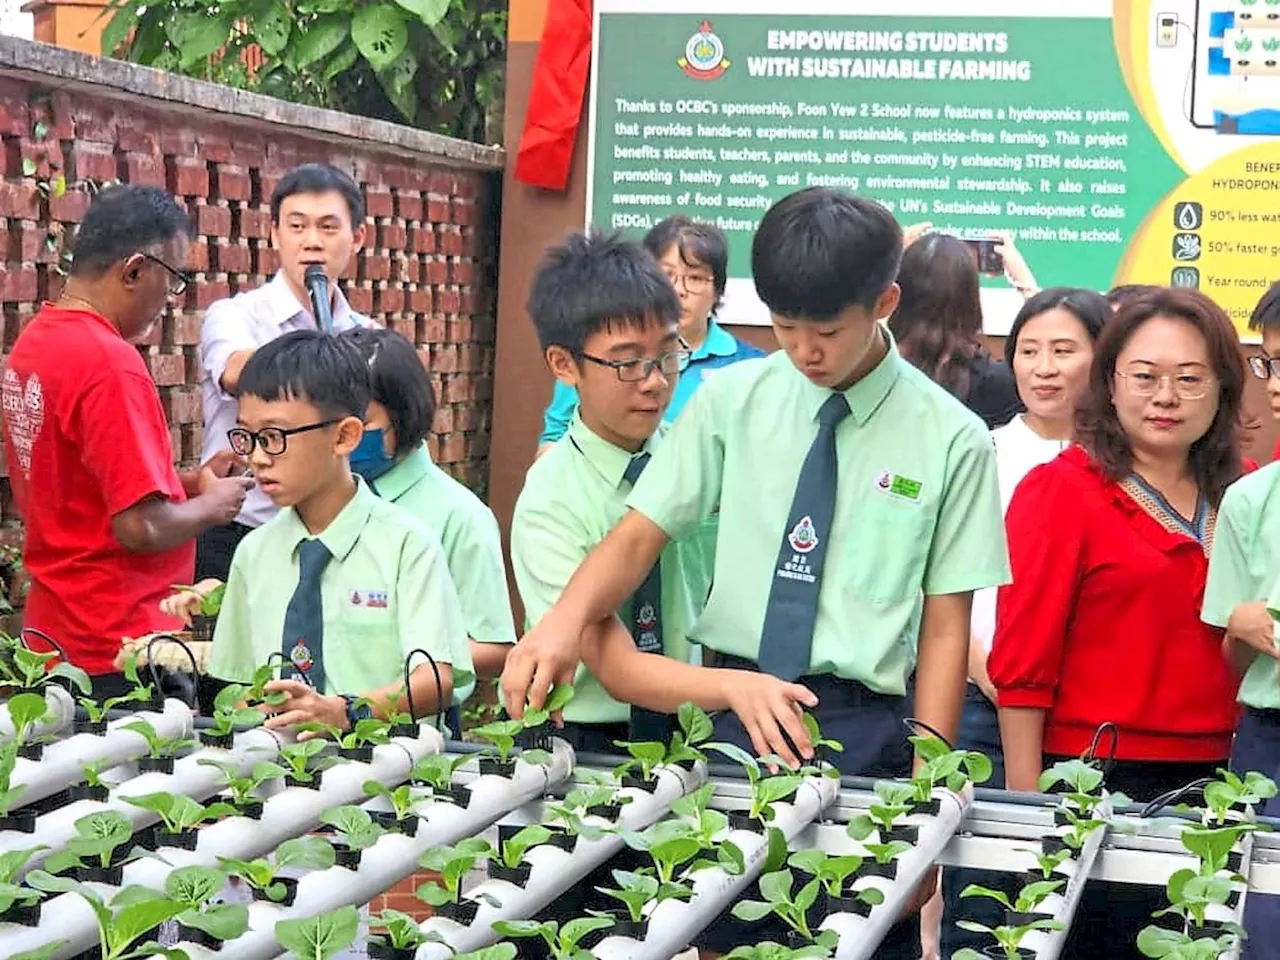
(899, 487)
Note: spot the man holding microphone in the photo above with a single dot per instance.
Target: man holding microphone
(317, 224)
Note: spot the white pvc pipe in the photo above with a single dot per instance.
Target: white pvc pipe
(62, 710)
(860, 936)
(62, 763)
(555, 870)
(1048, 944)
(396, 856)
(674, 923)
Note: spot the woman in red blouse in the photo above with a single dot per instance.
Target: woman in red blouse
(1108, 546)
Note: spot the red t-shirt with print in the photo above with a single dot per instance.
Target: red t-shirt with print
(86, 438)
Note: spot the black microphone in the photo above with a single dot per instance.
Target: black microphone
(318, 287)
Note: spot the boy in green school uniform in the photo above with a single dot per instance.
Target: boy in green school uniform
(1242, 589)
(341, 583)
(607, 319)
(859, 510)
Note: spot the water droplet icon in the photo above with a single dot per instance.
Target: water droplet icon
(1188, 216)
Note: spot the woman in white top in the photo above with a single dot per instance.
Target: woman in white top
(1049, 349)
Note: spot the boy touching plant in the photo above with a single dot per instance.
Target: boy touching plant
(1244, 570)
(340, 583)
(608, 321)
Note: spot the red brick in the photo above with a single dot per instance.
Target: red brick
(266, 185)
(94, 122)
(466, 185)
(436, 330)
(421, 301)
(436, 272)
(198, 255)
(405, 326)
(254, 222)
(453, 449)
(466, 302)
(231, 182)
(408, 205)
(462, 272)
(186, 329)
(213, 221)
(92, 161)
(350, 271)
(422, 240)
(154, 337)
(20, 200)
(71, 206)
(396, 175)
(448, 301)
(467, 416)
(450, 242)
(138, 138)
(444, 358)
(215, 143)
(464, 212)
(470, 356)
(21, 283)
(411, 269)
(231, 257)
(266, 259)
(210, 290)
(187, 177)
(391, 236)
(26, 240)
(372, 266)
(167, 369)
(441, 182)
(14, 116)
(142, 168)
(360, 298)
(389, 300)
(181, 405)
(249, 151)
(444, 421)
(180, 141)
(378, 202)
(438, 209)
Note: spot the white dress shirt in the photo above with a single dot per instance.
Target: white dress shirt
(1019, 450)
(245, 322)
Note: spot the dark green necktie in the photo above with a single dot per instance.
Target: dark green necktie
(303, 642)
(646, 628)
(786, 639)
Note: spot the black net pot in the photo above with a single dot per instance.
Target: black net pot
(85, 791)
(345, 856)
(738, 820)
(290, 885)
(361, 754)
(31, 751)
(463, 912)
(888, 870)
(252, 809)
(95, 727)
(183, 840)
(26, 915)
(384, 951)
(519, 874)
(21, 821)
(199, 937)
(221, 741)
(155, 765)
(493, 767)
(633, 780)
(609, 811)
(291, 781)
(97, 873)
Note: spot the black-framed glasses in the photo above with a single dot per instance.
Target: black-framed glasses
(634, 371)
(272, 440)
(179, 280)
(693, 283)
(1264, 367)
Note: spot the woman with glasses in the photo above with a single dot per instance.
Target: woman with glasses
(695, 258)
(1109, 549)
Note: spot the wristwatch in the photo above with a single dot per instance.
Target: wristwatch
(357, 710)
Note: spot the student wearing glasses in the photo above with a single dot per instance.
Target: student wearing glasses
(1109, 545)
(695, 258)
(317, 217)
(110, 524)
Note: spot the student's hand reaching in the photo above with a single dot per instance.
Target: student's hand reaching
(305, 705)
(185, 604)
(545, 656)
(1252, 625)
(769, 708)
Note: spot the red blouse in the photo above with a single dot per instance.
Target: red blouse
(1102, 622)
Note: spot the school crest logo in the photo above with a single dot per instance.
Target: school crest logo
(647, 618)
(803, 537)
(356, 599)
(300, 656)
(704, 57)
(885, 480)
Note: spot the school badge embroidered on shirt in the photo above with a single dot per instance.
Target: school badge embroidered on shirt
(356, 599)
(803, 537)
(647, 618)
(300, 656)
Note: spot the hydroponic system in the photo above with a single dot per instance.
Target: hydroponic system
(117, 818)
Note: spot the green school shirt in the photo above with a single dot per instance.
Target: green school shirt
(469, 533)
(573, 495)
(917, 507)
(386, 591)
(1244, 567)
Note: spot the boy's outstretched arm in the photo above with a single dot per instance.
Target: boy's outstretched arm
(549, 653)
(770, 709)
(305, 704)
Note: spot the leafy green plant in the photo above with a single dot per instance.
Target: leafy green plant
(696, 728)
(131, 914)
(635, 891)
(943, 766)
(97, 835)
(436, 770)
(499, 951)
(304, 853)
(1233, 793)
(228, 714)
(355, 828)
(557, 699)
(793, 910)
(1191, 894)
(31, 670)
(895, 803)
(1213, 845)
(768, 950)
(244, 790)
(210, 603)
(1028, 898)
(11, 892)
(513, 849)
(765, 791)
(833, 872)
(1083, 780)
(399, 930)
(816, 739)
(139, 692)
(180, 813)
(1176, 945)
(402, 798)
(194, 887)
(887, 852)
(26, 711)
(10, 793)
(452, 863)
(562, 941)
(318, 938)
(369, 732)
(1008, 938)
(300, 758)
(645, 757)
(159, 746)
(1047, 863)
(670, 844)
(1243, 44)
(501, 735)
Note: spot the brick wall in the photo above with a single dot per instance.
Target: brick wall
(428, 269)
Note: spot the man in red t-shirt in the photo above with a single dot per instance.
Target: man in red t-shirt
(110, 524)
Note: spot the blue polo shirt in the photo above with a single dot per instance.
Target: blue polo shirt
(719, 349)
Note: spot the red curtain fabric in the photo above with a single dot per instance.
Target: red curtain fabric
(559, 87)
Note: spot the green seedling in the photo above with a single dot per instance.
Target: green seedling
(1082, 779)
(319, 938)
(399, 931)
(1008, 939)
(776, 951)
(670, 844)
(499, 951)
(194, 887)
(635, 891)
(139, 693)
(304, 853)
(695, 729)
(299, 756)
(1233, 793)
(1029, 897)
(452, 864)
(816, 739)
(11, 892)
(402, 799)
(887, 852)
(765, 791)
(369, 732)
(559, 697)
(132, 913)
(501, 735)
(562, 941)
(210, 603)
(793, 910)
(1213, 845)
(180, 813)
(159, 747)
(596, 795)
(10, 793)
(31, 671)
(518, 844)
(257, 692)
(645, 758)
(97, 835)
(436, 770)
(833, 872)
(244, 790)
(93, 772)
(355, 828)
(1047, 863)
(26, 711)
(1176, 945)
(1191, 894)
(228, 712)
(707, 825)
(945, 767)
(896, 801)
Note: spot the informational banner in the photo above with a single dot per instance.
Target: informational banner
(1125, 142)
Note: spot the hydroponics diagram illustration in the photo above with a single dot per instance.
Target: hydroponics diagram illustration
(1234, 77)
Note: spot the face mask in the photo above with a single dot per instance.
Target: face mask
(370, 458)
